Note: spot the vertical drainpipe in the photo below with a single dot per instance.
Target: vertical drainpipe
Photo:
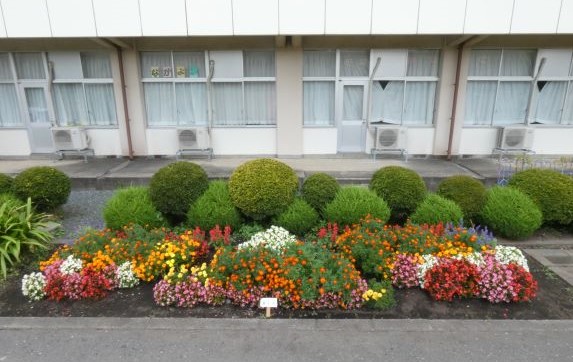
(455, 101)
(124, 99)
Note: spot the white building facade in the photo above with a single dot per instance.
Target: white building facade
(286, 78)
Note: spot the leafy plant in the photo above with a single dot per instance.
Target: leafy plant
(319, 189)
(511, 213)
(213, 208)
(246, 231)
(263, 188)
(21, 230)
(298, 218)
(5, 183)
(380, 295)
(352, 203)
(436, 209)
(132, 205)
(46, 186)
(465, 191)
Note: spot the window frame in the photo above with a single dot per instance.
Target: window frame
(14, 82)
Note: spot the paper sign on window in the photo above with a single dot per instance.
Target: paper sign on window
(181, 72)
(167, 72)
(154, 72)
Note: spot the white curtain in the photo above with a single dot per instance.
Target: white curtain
(159, 104)
(9, 112)
(96, 65)
(485, 62)
(387, 100)
(318, 103)
(101, 104)
(567, 117)
(29, 66)
(511, 103)
(156, 65)
(5, 68)
(189, 64)
(36, 102)
(517, 62)
(319, 63)
(419, 103)
(227, 104)
(260, 103)
(549, 101)
(259, 63)
(423, 63)
(354, 63)
(70, 104)
(191, 103)
(480, 102)
(353, 102)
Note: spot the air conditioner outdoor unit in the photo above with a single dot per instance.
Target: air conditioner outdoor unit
(196, 138)
(390, 138)
(516, 138)
(70, 138)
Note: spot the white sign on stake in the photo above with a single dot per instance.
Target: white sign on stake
(268, 303)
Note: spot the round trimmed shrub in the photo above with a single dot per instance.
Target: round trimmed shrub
(319, 189)
(175, 187)
(298, 218)
(435, 209)
(353, 203)
(263, 188)
(132, 205)
(465, 191)
(510, 213)
(550, 190)
(5, 183)
(401, 188)
(47, 187)
(213, 208)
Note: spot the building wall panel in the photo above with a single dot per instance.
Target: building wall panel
(209, 17)
(566, 17)
(255, 17)
(395, 17)
(105, 142)
(534, 16)
(163, 18)
(488, 16)
(117, 18)
(301, 17)
(26, 18)
(71, 18)
(441, 16)
(319, 141)
(345, 18)
(14, 142)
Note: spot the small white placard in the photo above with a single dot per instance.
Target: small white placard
(268, 303)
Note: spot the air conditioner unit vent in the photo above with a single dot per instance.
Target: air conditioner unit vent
(196, 138)
(390, 138)
(516, 138)
(70, 139)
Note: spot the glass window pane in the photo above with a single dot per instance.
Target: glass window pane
(480, 101)
(567, 117)
(259, 63)
(191, 104)
(549, 101)
(156, 65)
(518, 63)
(37, 107)
(387, 99)
(227, 104)
(419, 103)
(485, 62)
(511, 103)
(189, 64)
(354, 63)
(318, 103)
(101, 104)
(5, 69)
(70, 104)
(29, 66)
(9, 111)
(353, 102)
(159, 104)
(260, 103)
(423, 63)
(319, 63)
(96, 65)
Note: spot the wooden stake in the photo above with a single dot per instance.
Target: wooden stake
(268, 314)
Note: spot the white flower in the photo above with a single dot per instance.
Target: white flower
(275, 238)
(33, 286)
(510, 254)
(476, 259)
(125, 276)
(429, 262)
(71, 265)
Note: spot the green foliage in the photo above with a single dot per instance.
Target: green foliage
(46, 186)
(132, 205)
(435, 209)
(213, 208)
(174, 188)
(382, 295)
(21, 230)
(352, 203)
(465, 191)
(10, 198)
(319, 189)
(263, 188)
(510, 213)
(401, 188)
(5, 183)
(550, 190)
(246, 231)
(298, 218)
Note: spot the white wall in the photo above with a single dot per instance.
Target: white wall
(553, 141)
(478, 141)
(14, 142)
(105, 142)
(253, 17)
(420, 141)
(488, 16)
(209, 17)
(301, 17)
(124, 20)
(71, 18)
(319, 141)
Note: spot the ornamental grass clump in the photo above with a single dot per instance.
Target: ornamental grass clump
(467, 192)
(5, 184)
(132, 205)
(47, 187)
(319, 189)
(214, 208)
(353, 203)
(436, 209)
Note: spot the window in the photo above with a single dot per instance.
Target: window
(404, 87)
(499, 86)
(319, 72)
(9, 112)
(83, 89)
(242, 88)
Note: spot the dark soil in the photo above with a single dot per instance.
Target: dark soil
(554, 301)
